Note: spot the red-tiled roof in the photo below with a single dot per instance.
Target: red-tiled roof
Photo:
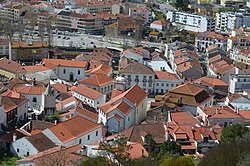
(52, 63)
(97, 80)
(11, 66)
(220, 112)
(164, 75)
(73, 128)
(87, 92)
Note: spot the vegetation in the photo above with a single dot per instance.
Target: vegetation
(160, 15)
(233, 151)
(231, 133)
(182, 5)
(53, 118)
(97, 161)
(8, 161)
(169, 149)
(179, 161)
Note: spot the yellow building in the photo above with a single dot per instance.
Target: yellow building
(10, 69)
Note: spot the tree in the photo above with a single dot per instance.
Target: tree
(169, 148)
(229, 134)
(231, 153)
(179, 161)
(97, 161)
(117, 150)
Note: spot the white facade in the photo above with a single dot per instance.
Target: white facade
(22, 147)
(191, 22)
(41, 75)
(156, 26)
(145, 81)
(160, 66)
(163, 86)
(70, 73)
(92, 102)
(225, 22)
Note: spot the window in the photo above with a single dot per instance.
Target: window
(80, 141)
(157, 84)
(79, 72)
(96, 133)
(17, 150)
(172, 85)
(64, 71)
(162, 84)
(28, 153)
(88, 137)
(128, 118)
(34, 99)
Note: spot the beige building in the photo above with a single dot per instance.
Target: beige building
(13, 11)
(10, 69)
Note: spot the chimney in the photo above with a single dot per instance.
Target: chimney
(34, 82)
(14, 137)
(217, 111)
(55, 122)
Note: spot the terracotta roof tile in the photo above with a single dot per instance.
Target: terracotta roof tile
(11, 66)
(137, 68)
(220, 112)
(51, 63)
(164, 75)
(73, 128)
(86, 91)
(41, 142)
(97, 80)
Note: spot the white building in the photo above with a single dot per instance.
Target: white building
(100, 83)
(157, 25)
(76, 130)
(137, 73)
(68, 70)
(203, 40)
(165, 81)
(191, 22)
(88, 96)
(30, 145)
(225, 22)
(124, 110)
(41, 99)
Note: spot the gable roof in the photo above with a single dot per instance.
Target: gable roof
(187, 89)
(211, 81)
(73, 128)
(41, 142)
(11, 66)
(135, 133)
(137, 68)
(52, 63)
(220, 112)
(30, 90)
(183, 118)
(101, 69)
(87, 92)
(164, 75)
(97, 80)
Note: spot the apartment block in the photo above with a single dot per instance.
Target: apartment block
(191, 22)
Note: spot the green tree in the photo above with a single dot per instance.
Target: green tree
(233, 153)
(97, 161)
(169, 149)
(179, 161)
(229, 134)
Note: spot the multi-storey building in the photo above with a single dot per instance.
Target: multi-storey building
(238, 41)
(225, 22)
(191, 22)
(203, 40)
(4, 47)
(82, 22)
(13, 11)
(144, 13)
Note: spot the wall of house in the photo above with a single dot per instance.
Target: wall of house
(2, 116)
(22, 112)
(163, 86)
(146, 85)
(141, 112)
(42, 75)
(69, 71)
(92, 102)
(31, 97)
(24, 146)
(191, 109)
(221, 122)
